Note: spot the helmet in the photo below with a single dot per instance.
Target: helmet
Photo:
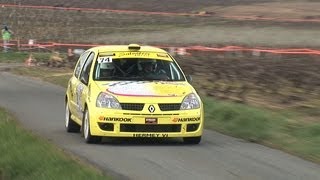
(109, 66)
(106, 69)
(148, 65)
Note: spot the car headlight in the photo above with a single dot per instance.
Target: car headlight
(191, 101)
(106, 100)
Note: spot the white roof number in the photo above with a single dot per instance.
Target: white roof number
(105, 60)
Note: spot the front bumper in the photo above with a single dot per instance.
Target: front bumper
(123, 123)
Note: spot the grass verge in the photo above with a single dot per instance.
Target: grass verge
(265, 127)
(20, 57)
(25, 156)
(53, 75)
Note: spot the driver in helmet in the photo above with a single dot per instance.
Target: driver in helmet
(148, 66)
(106, 70)
(149, 70)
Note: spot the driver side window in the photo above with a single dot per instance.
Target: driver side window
(80, 63)
(85, 73)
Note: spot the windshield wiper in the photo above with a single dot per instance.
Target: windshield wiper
(110, 78)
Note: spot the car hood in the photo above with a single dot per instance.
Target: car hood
(146, 88)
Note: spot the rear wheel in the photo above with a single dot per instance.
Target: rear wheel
(86, 130)
(70, 125)
(192, 140)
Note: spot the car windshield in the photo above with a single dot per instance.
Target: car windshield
(137, 69)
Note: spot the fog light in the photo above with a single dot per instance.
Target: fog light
(106, 126)
(192, 127)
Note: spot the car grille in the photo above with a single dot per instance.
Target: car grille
(132, 106)
(150, 128)
(170, 107)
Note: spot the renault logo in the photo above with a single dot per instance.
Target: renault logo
(151, 108)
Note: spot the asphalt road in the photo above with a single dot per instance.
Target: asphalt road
(40, 107)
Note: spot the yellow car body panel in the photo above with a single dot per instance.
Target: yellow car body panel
(148, 108)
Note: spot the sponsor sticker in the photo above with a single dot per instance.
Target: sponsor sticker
(151, 135)
(151, 120)
(139, 88)
(115, 119)
(107, 54)
(162, 55)
(131, 88)
(134, 54)
(79, 90)
(192, 119)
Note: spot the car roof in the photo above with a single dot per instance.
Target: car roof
(110, 48)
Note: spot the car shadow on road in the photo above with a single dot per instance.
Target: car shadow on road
(143, 141)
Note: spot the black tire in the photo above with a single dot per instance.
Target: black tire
(70, 125)
(86, 130)
(192, 140)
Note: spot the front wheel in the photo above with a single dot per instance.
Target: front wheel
(70, 125)
(86, 130)
(192, 140)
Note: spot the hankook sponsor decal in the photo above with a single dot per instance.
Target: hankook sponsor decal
(192, 119)
(115, 119)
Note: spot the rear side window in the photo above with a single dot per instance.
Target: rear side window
(80, 63)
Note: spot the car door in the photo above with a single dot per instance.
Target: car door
(83, 86)
(73, 83)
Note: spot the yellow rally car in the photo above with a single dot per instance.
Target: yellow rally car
(132, 91)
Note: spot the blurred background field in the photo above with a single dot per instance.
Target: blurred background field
(221, 26)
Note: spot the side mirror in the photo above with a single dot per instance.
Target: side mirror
(189, 78)
(84, 79)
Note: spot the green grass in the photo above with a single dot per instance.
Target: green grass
(60, 80)
(264, 126)
(25, 156)
(53, 75)
(20, 57)
(239, 120)
(16, 57)
(301, 139)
